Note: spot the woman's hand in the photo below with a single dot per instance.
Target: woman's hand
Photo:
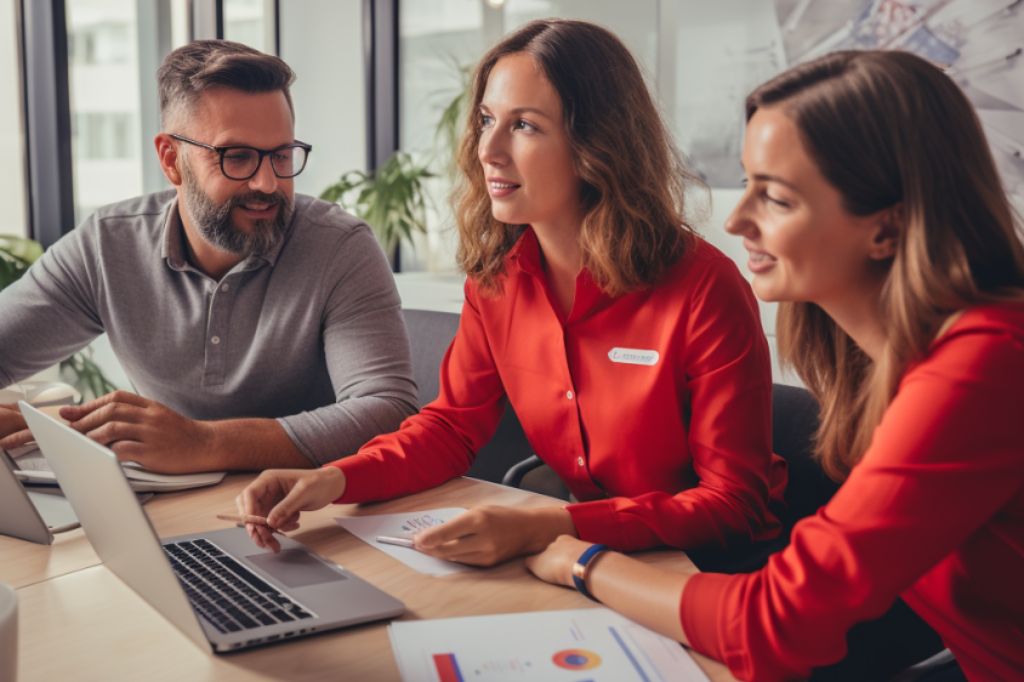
(554, 564)
(281, 494)
(485, 536)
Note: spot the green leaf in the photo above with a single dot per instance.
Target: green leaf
(16, 255)
(392, 200)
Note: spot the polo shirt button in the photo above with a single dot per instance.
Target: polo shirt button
(580, 461)
(225, 287)
(569, 395)
(215, 340)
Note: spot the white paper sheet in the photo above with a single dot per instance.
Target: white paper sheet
(367, 528)
(583, 644)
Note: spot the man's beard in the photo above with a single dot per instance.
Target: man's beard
(215, 225)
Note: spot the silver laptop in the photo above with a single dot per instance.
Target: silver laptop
(33, 515)
(218, 588)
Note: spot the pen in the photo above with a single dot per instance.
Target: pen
(240, 521)
(392, 540)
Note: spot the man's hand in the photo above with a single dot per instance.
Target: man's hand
(144, 431)
(486, 536)
(281, 494)
(13, 431)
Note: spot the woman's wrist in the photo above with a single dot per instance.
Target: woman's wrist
(334, 480)
(548, 523)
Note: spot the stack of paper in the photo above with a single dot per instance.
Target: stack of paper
(33, 469)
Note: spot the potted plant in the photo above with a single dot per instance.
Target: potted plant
(391, 199)
(16, 255)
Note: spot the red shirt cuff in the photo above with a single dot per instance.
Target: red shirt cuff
(361, 479)
(603, 521)
(699, 610)
(594, 522)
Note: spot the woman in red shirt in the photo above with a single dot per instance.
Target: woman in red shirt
(630, 349)
(874, 211)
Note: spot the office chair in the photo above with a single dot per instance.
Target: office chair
(430, 334)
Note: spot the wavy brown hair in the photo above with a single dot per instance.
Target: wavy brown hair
(888, 129)
(633, 179)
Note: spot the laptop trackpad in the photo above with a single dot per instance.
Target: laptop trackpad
(295, 568)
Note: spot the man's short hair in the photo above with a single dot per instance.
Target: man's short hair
(202, 65)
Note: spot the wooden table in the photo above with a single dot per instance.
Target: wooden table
(78, 621)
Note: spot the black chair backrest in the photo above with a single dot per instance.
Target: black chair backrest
(794, 423)
(430, 334)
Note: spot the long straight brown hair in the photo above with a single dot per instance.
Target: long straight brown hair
(633, 178)
(889, 129)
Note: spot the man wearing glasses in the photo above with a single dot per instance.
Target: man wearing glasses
(259, 328)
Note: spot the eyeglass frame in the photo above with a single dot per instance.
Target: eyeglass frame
(221, 151)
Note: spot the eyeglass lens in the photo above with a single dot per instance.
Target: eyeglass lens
(241, 163)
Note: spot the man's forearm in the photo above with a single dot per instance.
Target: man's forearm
(339, 429)
(251, 445)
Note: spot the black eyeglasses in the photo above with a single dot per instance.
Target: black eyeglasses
(241, 162)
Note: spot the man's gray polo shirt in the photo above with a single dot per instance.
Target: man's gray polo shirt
(311, 333)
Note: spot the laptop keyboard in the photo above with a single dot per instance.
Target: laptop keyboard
(230, 596)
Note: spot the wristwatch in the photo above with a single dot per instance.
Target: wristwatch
(582, 567)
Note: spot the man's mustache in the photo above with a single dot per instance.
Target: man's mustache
(258, 197)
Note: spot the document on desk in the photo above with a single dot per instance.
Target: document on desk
(368, 528)
(584, 644)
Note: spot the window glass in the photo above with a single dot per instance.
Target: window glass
(322, 41)
(440, 42)
(14, 217)
(250, 22)
(105, 128)
(179, 23)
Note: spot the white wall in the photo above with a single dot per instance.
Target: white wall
(13, 217)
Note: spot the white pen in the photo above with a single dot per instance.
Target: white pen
(392, 540)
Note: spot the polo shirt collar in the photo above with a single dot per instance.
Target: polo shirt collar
(172, 248)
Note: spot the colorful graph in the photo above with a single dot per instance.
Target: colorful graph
(576, 659)
(447, 668)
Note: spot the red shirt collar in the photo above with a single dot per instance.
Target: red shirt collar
(525, 257)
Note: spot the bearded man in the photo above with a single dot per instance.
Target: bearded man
(259, 328)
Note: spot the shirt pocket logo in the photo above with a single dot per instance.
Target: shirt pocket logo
(634, 356)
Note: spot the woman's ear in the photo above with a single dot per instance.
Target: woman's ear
(167, 153)
(888, 226)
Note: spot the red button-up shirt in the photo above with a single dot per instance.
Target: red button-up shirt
(934, 513)
(653, 407)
